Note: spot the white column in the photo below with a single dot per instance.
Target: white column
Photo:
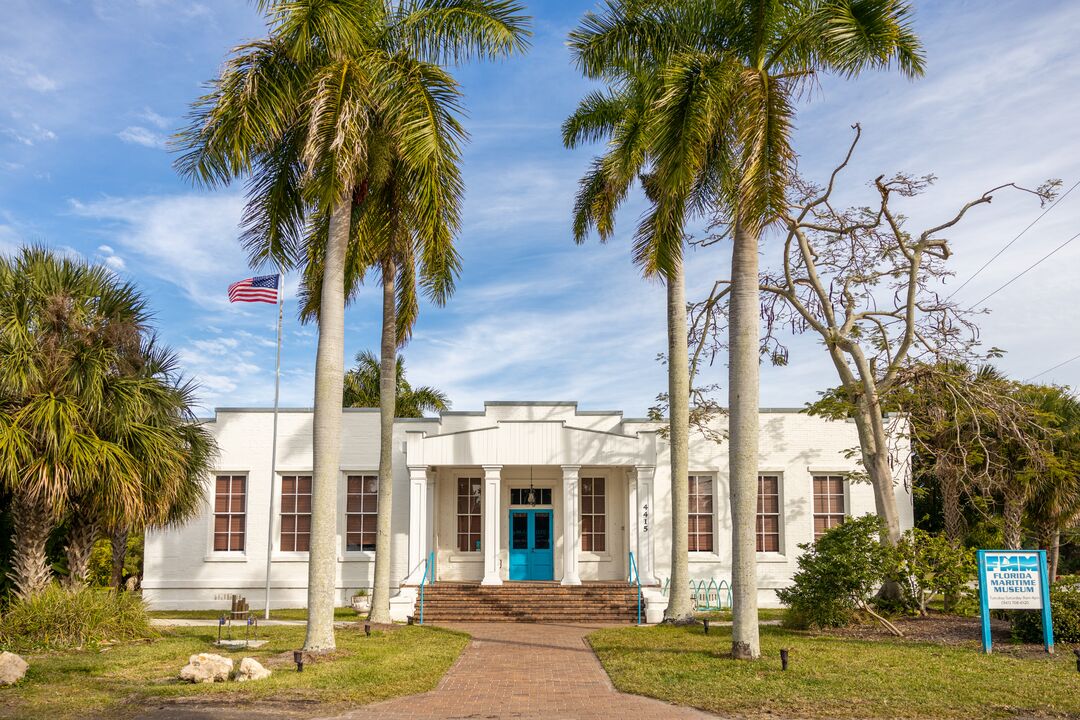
(492, 483)
(571, 524)
(418, 512)
(646, 519)
(632, 530)
(429, 521)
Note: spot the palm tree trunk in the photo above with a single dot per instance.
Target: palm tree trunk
(329, 377)
(950, 501)
(30, 569)
(680, 608)
(380, 595)
(119, 540)
(744, 349)
(1055, 554)
(954, 519)
(81, 536)
(1012, 515)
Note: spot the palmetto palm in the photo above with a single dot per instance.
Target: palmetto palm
(363, 389)
(75, 434)
(702, 97)
(316, 116)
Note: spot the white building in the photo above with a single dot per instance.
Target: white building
(600, 487)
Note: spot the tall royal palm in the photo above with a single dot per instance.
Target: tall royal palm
(311, 115)
(387, 240)
(710, 86)
(621, 117)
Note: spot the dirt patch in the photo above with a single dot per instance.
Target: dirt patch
(944, 630)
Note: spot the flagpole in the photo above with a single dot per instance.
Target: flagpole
(273, 444)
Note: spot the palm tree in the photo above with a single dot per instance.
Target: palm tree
(620, 116)
(363, 389)
(313, 115)
(72, 430)
(707, 90)
(386, 237)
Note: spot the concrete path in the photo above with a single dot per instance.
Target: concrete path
(525, 672)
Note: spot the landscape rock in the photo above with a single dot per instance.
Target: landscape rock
(12, 668)
(251, 669)
(206, 667)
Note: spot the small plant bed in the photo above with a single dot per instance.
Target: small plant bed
(832, 676)
(341, 614)
(119, 681)
(937, 627)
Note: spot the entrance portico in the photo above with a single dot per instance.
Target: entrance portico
(496, 502)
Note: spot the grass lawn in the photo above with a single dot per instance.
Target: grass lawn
(346, 614)
(118, 681)
(836, 677)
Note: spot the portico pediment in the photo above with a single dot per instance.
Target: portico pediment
(529, 442)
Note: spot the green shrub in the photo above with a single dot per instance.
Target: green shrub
(837, 575)
(1065, 609)
(59, 619)
(101, 560)
(926, 565)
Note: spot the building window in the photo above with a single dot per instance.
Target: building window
(230, 507)
(295, 513)
(593, 513)
(468, 514)
(768, 513)
(361, 512)
(520, 496)
(828, 503)
(701, 513)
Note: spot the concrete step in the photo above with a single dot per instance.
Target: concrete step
(614, 602)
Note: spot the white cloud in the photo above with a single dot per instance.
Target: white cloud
(187, 240)
(154, 119)
(29, 75)
(138, 135)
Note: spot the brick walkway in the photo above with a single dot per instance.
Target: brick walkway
(525, 672)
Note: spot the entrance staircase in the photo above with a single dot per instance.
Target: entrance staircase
(535, 602)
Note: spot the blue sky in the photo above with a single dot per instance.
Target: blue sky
(92, 88)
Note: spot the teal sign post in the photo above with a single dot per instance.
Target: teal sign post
(1014, 580)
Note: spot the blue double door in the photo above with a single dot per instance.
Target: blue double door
(531, 554)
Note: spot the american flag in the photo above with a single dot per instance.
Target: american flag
(255, 289)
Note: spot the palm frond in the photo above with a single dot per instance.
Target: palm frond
(454, 31)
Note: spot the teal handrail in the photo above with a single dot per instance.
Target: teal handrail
(429, 569)
(635, 576)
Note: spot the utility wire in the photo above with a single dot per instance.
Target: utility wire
(1025, 271)
(1065, 362)
(1010, 243)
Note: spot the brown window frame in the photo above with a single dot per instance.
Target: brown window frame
(593, 521)
(768, 533)
(829, 516)
(361, 512)
(294, 535)
(700, 512)
(235, 540)
(469, 514)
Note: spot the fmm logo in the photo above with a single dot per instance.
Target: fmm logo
(1012, 563)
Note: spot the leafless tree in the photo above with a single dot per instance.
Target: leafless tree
(871, 290)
